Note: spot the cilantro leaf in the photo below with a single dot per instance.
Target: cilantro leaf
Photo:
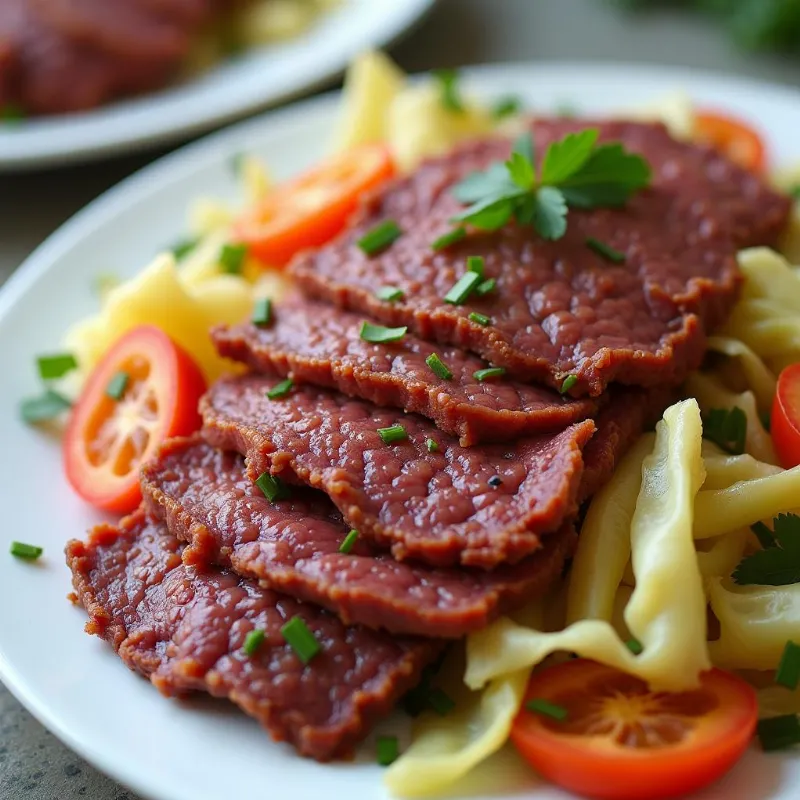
(521, 171)
(550, 213)
(490, 214)
(726, 428)
(477, 185)
(775, 566)
(566, 157)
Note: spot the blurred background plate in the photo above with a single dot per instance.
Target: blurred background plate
(240, 85)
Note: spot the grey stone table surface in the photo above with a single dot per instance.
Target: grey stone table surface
(33, 764)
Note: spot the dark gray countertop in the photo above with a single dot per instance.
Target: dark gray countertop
(33, 764)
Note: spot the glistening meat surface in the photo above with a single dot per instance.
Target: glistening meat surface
(478, 506)
(185, 630)
(322, 345)
(560, 308)
(206, 499)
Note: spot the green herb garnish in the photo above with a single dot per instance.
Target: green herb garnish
(635, 646)
(438, 367)
(395, 433)
(56, 366)
(272, 487)
(30, 552)
(463, 288)
(778, 565)
(182, 248)
(450, 93)
(349, 542)
(389, 294)
(451, 237)
(568, 383)
(231, 258)
(547, 709)
(380, 237)
(482, 289)
(117, 385)
(763, 534)
(480, 319)
(253, 641)
(387, 750)
(45, 407)
(606, 251)
(575, 172)
(262, 312)
(779, 733)
(489, 373)
(788, 672)
(301, 639)
(726, 428)
(281, 389)
(431, 445)
(11, 113)
(795, 191)
(506, 107)
(440, 702)
(476, 264)
(378, 334)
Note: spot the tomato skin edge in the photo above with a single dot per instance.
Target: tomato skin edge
(785, 418)
(724, 132)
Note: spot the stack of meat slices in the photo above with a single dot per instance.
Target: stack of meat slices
(382, 503)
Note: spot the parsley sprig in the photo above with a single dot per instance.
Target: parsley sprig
(777, 565)
(575, 172)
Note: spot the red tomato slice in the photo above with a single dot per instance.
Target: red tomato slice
(311, 209)
(736, 139)
(785, 420)
(107, 439)
(620, 741)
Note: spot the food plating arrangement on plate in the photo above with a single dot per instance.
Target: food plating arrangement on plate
(485, 429)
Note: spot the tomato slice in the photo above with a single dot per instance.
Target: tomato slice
(620, 741)
(311, 209)
(107, 439)
(735, 138)
(785, 420)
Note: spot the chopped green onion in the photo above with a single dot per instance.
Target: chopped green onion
(569, 382)
(389, 294)
(56, 366)
(440, 702)
(448, 84)
(476, 264)
(387, 750)
(480, 319)
(272, 487)
(281, 389)
(547, 709)
(604, 250)
(482, 289)
(788, 673)
(182, 248)
(396, 433)
(47, 406)
(635, 646)
(231, 258)
(380, 237)
(779, 733)
(438, 367)
(378, 334)
(27, 551)
(763, 534)
(489, 373)
(262, 312)
(301, 639)
(253, 641)
(432, 446)
(349, 541)
(506, 107)
(451, 237)
(117, 385)
(462, 288)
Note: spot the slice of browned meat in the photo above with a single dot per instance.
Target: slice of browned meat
(321, 345)
(480, 506)
(292, 546)
(560, 308)
(185, 630)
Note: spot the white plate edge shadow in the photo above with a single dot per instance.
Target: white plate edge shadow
(212, 150)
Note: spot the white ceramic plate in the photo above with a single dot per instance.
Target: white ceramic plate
(73, 683)
(240, 85)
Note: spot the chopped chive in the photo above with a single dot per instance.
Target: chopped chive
(495, 481)
(779, 733)
(281, 389)
(389, 294)
(182, 248)
(462, 288)
(262, 312)
(27, 551)
(547, 709)
(441, 702)
(117, 385)
(635, 646)
(482, 289)
(301, 639)
(378, 334)
(56, 366)
(349, 541)
(569, 382)
(448, 85)
(387, 750)
(380, 237)
(438, 367)
(763, 534)
(480, 319)
(788, 673)
(272, 487)
(231, 258)
(476, 264)
(253, 641)
(604, 250)
(432, 446)
(451, 237)
(506, 107)
(40, 409)
(489, 373)
(396, 433)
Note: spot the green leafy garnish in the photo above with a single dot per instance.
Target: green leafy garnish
(763, 534)
(463, 288)
(568, 383)
(395, 433)
(379, 334)
(726, 428)
(489, 373)
(431, 446)
(480, 319)
(11, 113)
(262, 312)
(605, 251)
(788, 672)
(778, 565)
(231, 258)
(446, 239)
(182, 248)
(795, 191)
(45, 407)
(635, 646)
(272, 487)
(348, 542)
(387, 750)
(30, 552)
(506, 107)
(377, 239)
(56, 366)
(301, 639)
(389, 294)
(482, 289)
(779, 733)
(438, 367)
(574, 172)
(450, 93)
(281, 390)
(253, 641)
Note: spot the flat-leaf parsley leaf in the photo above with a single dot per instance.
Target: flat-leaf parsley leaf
(775, 566)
